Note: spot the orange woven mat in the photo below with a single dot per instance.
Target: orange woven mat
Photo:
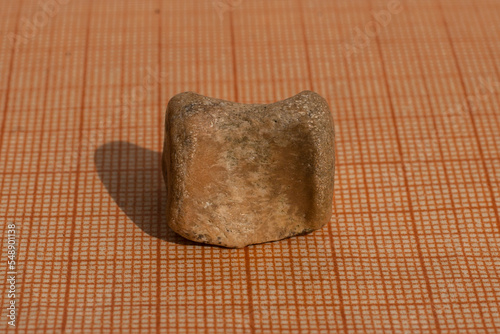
(413, 244)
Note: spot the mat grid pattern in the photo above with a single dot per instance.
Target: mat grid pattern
(413, 245)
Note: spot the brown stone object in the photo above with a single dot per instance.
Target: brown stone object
(240, 174)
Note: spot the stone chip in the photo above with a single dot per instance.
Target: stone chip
(240, 174)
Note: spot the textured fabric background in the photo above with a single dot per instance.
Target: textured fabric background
(413, 245)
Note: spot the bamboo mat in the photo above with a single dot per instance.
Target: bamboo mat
(413, 245)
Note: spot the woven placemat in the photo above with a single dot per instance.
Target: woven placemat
(414, 240)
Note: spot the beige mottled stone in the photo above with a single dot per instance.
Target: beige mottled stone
(240, 174)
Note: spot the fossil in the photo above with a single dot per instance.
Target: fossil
(240, 174)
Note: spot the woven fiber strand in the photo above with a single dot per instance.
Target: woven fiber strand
(413, 245)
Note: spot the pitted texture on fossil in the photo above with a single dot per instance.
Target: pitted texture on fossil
(240, 174)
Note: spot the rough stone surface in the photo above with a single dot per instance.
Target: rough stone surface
(240, 174)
